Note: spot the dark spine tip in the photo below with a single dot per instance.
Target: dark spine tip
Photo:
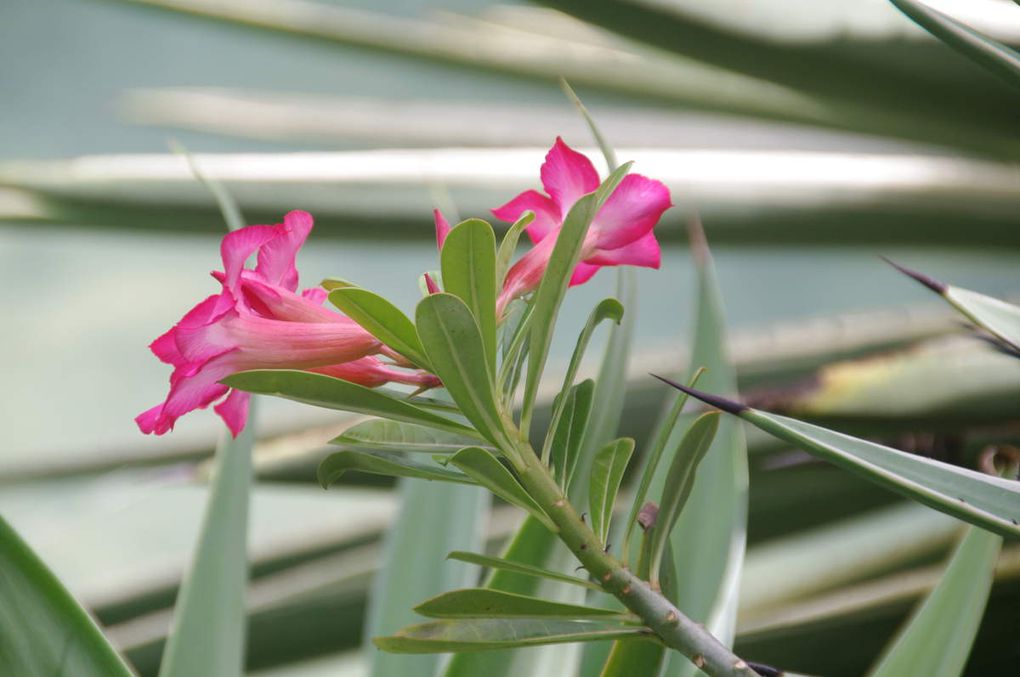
(931, 283)
(729, 406)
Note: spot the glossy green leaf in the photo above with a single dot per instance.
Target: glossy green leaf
(499, 633)
(381, 319)
(487, 603)
(989, 502)
(981, 49)
(210, 623)
(456, 351)
(387, 463)
(485, 469)
(568, 434)
(522, 568)
(43, 630)
(469, 273)
(383, 435)
(333, 393)
(508, 245)
(606, 475)
(937, 639)
(607, 309)
(434, 518)
(715, 515)
(679, 484)
(555, 281)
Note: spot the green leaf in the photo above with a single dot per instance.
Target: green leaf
(434, 518)
(521, 568)
(998, 318)
(937, 639)
(387, 463)
(469, 273)
(715, 515)
(455, 348)
(381, 319)
(210, 621)
(500, 633)
(508, 246)
(606, 309)
(981, 49)
(630, 657)
(43, 630)
(989, 502)
(607, 149)
(486, 603)
(679, 484)
(331, 283)
(568, 435)
(383, 435)
(486, 470)
(606, 475)
(333, 393)
(555, 281)
(231, 213)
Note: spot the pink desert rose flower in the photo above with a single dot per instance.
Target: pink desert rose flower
(620, 234)
(259, 321)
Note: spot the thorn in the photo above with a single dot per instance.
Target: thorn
(699, 661)
(626, 590)
(765, 670)
(929, 282)
(729, 406)
(560, 503)
(672, 618)
(606, 549)
(583, 516)
(740, 665)
(606, 577)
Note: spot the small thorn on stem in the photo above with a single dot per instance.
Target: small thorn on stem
(626, 590)
(606, 577)
(699, 661)
(672, 618)
(584, 517)
(560, 503)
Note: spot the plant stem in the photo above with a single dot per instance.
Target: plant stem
(674, 629)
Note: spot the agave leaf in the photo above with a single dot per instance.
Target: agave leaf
(457, 352)
(387, 463)
(383, 435)
(333, 393)
(937, 639)
(498, 633)
(469, 272)
(44, 630)
(521, 568)
(606, 475)
(382, 320)
(486, 470)
(487, 603)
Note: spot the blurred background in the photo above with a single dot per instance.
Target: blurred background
(811, 137)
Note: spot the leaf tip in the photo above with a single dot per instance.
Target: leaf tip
(939, 288)
(729, 406)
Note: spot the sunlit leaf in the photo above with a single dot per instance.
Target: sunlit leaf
(487, 603)
(606, 475)
(469, 272)
(381, 319)
(387, 463)
(498, 633)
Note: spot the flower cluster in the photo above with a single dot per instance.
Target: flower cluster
(258, 320)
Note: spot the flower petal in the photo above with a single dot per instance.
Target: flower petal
(630, 212)
(277, 256)
(567, 175)
(234, 410)
(316, 295)
(547, 214)
(582, 273)
(644, 251)
(237, 246)
(282, 304)
(442, 228)
(187, 393)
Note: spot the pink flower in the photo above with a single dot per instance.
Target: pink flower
(258, 321)
(372, 372)
(621, 232)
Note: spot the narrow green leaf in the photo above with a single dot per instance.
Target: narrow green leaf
(455, 348)
(508, 246)
(387, 463)
(998, 318)
(210, 623)
(521, 568)
(568, 435)
(989, 502)
(607, 149)
(679, 484)
(606, 475)
(555, 281)
(469, 273)
(224, 200)
(499, 633)
(607, 309)
(937, 639)
(381, 319)
(43, 630)
(434, 518)
(486, 470)
(383, 435)
(486, 603)
(981, 49)
(333, 393)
